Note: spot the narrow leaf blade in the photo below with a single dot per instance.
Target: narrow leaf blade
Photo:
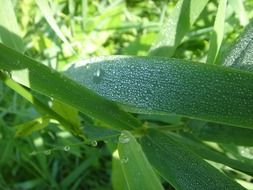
(51, 83)
(218, 32)
(48, 14)
(208, 153)
(181, 167)
(31, 126)
(9, 29)
(138, 172)
(181, 19)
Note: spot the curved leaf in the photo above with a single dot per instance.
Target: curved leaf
(51, 83)
(162, 85)
(182, 168)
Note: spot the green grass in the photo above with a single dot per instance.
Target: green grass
(131, 121)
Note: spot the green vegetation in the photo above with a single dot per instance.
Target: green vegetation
(121, 94)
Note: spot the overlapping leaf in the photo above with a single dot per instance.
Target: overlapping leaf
(51, 83)
(180, 166)
(137, 171)
(161, 85)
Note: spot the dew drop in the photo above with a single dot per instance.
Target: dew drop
(124, 160)
(98, 75)
(124, 138)
(94, 143)
(47, 152)
(66, 148)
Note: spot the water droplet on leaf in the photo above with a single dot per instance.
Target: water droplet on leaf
(66, 148)
(98, 76)
(94, 143)
(124, 160)
(47, 152)
(124, 138)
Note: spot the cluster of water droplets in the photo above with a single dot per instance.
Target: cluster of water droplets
(50, 151)
(166, 86)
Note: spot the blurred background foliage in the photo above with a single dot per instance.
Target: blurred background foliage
(70, 30)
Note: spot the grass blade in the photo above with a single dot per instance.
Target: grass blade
(177, 163)
(118, 179)
(41, 107)
(48, 14)
(218, 32)
(181, 19)
(162, 85)
(240, 11)
(138, 172)
(51, 83)
(9, 30)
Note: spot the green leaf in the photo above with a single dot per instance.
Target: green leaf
(240, 11)
(181, 19)
(245, 154)
(31, 126)
(240, 55)
(222, 133)
(67, 112)
(51, 83)
(41, 107)
(157, 85)
(9, 33)
(118, 179)
(181, 167)
(49, 16)
(209, 153)
(218, 32)
(96, 133)
(137, 171)
(9, 30)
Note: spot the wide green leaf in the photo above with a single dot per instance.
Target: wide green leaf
(137, 171)
(163, 85)
(184, 169)
(172, 32)
(51, 83)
